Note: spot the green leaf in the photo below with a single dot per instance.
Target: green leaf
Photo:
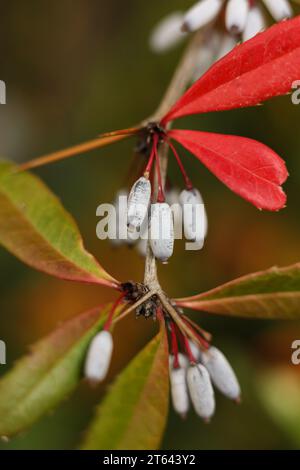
(278, 388)
(39, 381)
(35, 227)
(273, 294)
(133, 414)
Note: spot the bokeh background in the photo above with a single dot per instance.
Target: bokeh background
(73, 70)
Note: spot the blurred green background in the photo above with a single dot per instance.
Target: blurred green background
(73, 70)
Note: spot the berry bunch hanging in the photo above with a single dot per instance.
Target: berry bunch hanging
(247, 167)
(224, 24)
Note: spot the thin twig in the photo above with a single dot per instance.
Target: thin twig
(189, 332)
(181, 78)
(176, 88)
(101, 141)
(135, 305)
(178, 85)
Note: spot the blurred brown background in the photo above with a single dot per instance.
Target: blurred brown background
(74, 69)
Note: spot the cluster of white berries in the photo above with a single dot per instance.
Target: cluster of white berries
(160, 223)
(161, 219)
(194, 382)
(243, 20)
(191, 381)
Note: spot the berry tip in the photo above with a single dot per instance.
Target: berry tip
(185, 28)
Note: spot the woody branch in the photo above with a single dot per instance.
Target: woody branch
(176, 88)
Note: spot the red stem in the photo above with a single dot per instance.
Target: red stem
(185, 345)
(174, 346)
(188, 350)
(204, 341)
(150, 161)
(109, 320)
(187, 180)
(160, 195)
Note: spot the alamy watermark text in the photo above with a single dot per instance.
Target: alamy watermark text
(2, 352)
(2, 92)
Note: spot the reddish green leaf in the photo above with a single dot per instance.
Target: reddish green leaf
(134, 412)
(273, 294)
(35, 227)
(39, 381)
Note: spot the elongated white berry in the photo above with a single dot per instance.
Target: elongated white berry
(236, 15)
(98, 357)
(201, 391)
(221, 373)
(179, 390)
(194, 215)
(162, 231)
(138, 203)
(279, 9)
(202, 13)
(256, 23)
(167, 33)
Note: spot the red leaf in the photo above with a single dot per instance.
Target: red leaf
(246, 166)
(259, 69)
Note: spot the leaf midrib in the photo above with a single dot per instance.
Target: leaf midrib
(257, 277)
(249, 297)
(236, 164)
(46, 242)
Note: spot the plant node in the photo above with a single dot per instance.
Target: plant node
(149, 308)
(134, 291)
